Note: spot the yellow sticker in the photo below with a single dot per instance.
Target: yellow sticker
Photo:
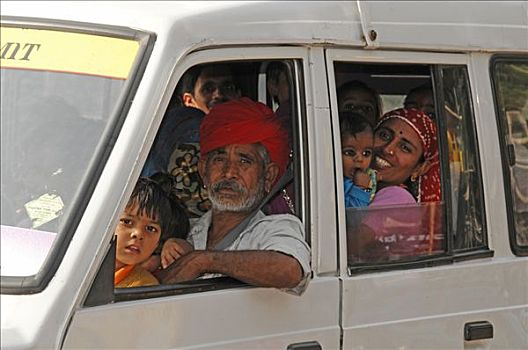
(44, 209)
(68, 52)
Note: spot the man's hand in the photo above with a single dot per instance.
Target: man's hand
(186, 268)
(152, 264)
(173, 249)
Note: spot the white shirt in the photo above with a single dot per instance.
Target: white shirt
(282, 233)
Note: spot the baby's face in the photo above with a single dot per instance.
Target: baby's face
(356, 152)
(137, 236)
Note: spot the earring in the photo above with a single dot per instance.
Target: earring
(413, 178)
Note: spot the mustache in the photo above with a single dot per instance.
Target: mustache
(229, 185)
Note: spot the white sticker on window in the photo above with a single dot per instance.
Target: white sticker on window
(44, 209)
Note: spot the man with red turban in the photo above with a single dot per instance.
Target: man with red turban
(244, 151)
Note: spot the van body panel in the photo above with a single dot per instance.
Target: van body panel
(416, 25)
(416, 333)
(408, 308)
(470, 26)
(320, 145)
(210, 319)
(193, 22)
(489, 154)
(461, 288)
(445, 297)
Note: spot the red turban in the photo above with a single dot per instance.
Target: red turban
(243, 121)
(429, 183)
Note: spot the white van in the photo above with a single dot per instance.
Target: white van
(85, 87)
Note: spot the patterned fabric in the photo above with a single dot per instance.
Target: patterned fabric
(183, 165)
(176, 151)
(282, 202)
(428, 183)
(373, 183)
(180, 125)
(243, 121)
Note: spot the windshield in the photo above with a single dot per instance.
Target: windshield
(59, 91)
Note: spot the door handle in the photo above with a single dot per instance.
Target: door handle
(478, 330)
(309, 345)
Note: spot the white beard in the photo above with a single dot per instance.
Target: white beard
(245, 203)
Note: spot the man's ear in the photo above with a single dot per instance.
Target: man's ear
(272, 171)
(188, 100)
(422, 168)
(202, 164)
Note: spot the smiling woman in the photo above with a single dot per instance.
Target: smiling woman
(406, 150)
(407, 162)
(416, 212)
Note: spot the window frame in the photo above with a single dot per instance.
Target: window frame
(100, 292)
(38, 282)
(471, 129)
(434, 61)
(504, 148)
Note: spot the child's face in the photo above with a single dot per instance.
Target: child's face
(356, 152)
(137, 237)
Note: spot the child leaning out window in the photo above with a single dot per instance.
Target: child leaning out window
(152, 215)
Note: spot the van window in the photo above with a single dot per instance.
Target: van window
(510, 78)
(413, 211)
(467, 221)
(56, 104)
(176, 148)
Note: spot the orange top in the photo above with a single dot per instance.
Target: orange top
(122, 273)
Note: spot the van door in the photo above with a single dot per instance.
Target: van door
(443, 277)
(221, 313)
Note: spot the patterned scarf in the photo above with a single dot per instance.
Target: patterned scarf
(428, 183)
